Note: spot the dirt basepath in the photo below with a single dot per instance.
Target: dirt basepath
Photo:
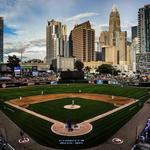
(25, 101)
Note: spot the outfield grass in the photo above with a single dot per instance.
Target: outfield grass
(39, 129)
(11, 93)
(55, 109)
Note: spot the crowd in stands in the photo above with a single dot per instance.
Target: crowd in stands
(92, 78)
(42, 78)
(34, 79)
(119, 79)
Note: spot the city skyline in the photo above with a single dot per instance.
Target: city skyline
(25, 21)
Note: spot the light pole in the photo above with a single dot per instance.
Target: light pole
(21, 61)
(21, 54)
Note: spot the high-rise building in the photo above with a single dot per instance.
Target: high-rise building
(114, 20)
(70, 45)
(82, 42)
(1, 39)
(143, 57)
(114, 42)
(97, 51)
(134, 47)
(144, 28)
(56, 40)
(134, 52)
(134, 31)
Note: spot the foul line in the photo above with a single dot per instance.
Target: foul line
(34, 113)
(109, 112)
(56, 121)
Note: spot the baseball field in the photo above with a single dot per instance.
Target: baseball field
(40, 111)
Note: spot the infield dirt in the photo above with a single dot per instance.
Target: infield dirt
(25, 101)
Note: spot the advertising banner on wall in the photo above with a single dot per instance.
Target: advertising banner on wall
(99, 82)
(17, 71)
(26, 71)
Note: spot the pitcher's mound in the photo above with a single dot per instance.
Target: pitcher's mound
(81, 129)
(72, 106)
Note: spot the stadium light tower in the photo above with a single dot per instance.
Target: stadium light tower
(21, 54)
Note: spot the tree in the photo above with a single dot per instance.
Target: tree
(79, 65)
(107, 69)
(13, 61)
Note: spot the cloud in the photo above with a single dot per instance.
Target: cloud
(22, 18)
(11, 47)
(81, 16)
(39, 42)
(29, 50)
(12, 53)
(35, 49)
(76, 19)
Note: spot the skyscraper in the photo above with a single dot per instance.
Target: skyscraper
(114, 20)
(134, 31)
(143, 57)
(114, 42)
(56, 40)
(82, 42)
(144, 28)
(1, 39)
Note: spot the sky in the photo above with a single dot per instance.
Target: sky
(25, 21)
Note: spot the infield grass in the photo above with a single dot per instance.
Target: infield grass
(55, 109)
